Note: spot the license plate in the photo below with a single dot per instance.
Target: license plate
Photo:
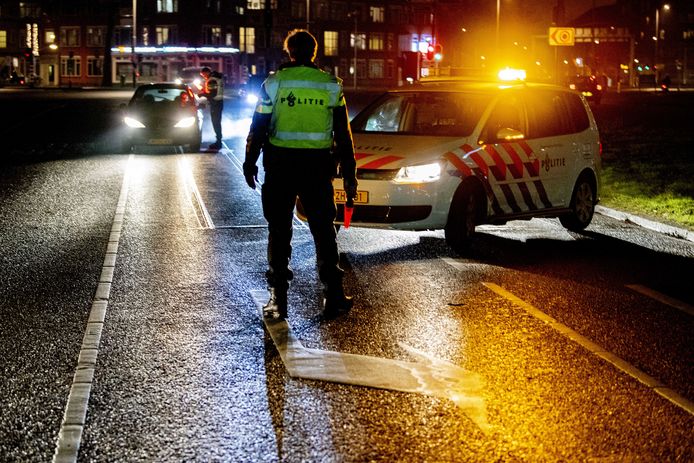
(362, 197)
(159, 141)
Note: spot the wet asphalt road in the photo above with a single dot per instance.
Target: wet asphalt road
(186, 371)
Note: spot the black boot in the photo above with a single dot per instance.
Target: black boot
(335, 302)
(276, 307)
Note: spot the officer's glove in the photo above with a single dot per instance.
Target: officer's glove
(350, 185)
(250, 173)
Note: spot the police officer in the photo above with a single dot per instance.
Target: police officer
(214, 92)
(301, 124)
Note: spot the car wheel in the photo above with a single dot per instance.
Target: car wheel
(582, 205)
(463, 216)
(195, 147)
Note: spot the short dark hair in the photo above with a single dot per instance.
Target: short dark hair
(301, 45)
(205, 69)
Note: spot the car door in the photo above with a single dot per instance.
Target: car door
(550, 137)
(506, 161)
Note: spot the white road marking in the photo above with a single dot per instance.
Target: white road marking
(597, 350)
(429, 376)
(70, 434)
(194, 195)
(664, 298)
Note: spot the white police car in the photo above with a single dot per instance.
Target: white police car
(453, 154)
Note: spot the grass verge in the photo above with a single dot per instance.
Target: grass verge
(648, 166)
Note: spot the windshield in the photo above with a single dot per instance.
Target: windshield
(423, 113)
(146, 95)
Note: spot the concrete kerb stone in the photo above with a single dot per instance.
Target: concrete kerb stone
(646, 223)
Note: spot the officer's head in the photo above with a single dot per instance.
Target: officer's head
(205, 72)
(301, 46)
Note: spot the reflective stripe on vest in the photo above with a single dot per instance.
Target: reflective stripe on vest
(302, 107)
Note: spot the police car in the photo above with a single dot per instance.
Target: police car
(454, 154)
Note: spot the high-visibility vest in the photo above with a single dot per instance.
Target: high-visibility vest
(215, 82)
(301, 100)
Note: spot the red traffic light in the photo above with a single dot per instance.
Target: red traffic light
(430, 52)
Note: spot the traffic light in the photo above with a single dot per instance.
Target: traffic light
(26, 53)
(430, 52)
(438, 52)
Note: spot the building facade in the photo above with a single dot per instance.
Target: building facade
(366, 43)
(92, 42)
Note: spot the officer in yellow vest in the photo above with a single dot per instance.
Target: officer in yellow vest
(302, 127)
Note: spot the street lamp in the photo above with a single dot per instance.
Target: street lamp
(656, 38)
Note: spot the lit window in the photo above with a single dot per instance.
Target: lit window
(376, 41)
(359, 42)
(167, 6)
(377, 14)
(247, 39)
(50, 36)
(260, 4)
(330, 43)
(166, 35)
(3, 39)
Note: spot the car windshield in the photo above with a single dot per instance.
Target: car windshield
(423, 113)
(147, 96)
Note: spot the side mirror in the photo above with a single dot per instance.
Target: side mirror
(507, 134)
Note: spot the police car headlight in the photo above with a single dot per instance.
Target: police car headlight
(185, 122)
(425, 173)
(251, 99)
(134, 123)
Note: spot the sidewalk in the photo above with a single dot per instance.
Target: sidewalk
(646, 223)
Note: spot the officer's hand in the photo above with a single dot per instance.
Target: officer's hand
(350, 185)
(250, 173)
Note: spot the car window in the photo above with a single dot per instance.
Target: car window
(548, 115)
(508, 114)
(552, 113)
(577, 112)
(423, 113)
(150, 96)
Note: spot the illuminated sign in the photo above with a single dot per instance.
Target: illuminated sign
(562, 36)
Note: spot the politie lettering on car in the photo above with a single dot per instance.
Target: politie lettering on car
(452, 154)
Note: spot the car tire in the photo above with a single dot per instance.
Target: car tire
(195, 147)
(582, 205)
(464, 215)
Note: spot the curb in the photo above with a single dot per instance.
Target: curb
(645, 223)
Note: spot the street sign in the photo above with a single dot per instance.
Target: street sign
(562, 36)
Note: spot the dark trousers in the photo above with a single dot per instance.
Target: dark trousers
(216, 108)
(308, 177)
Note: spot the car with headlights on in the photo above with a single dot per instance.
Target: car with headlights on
(588, 86)
(162, 114)
(452, 154)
